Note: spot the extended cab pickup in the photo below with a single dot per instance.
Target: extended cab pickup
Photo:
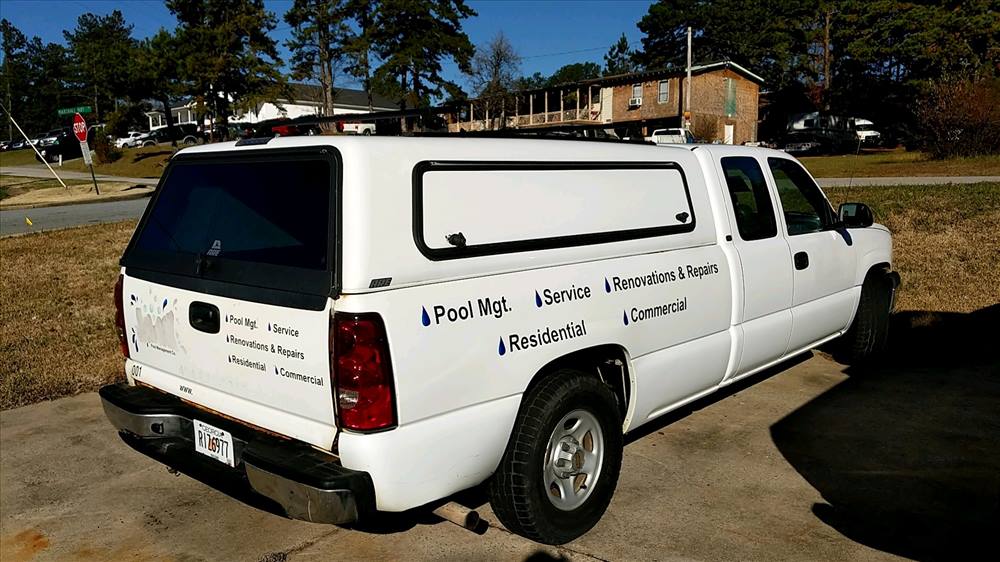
(362, 325)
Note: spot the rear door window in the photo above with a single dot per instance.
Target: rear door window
(750, 198)
(255, 220)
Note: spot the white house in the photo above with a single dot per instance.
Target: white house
(307, 101)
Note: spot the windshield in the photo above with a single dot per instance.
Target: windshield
(863, 127)
(262, 222)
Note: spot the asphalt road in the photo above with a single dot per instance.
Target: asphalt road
(64, 216)
(813, 462)
(40, 171)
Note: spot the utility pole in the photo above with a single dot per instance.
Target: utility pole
(687, 87)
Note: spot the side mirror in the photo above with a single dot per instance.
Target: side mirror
(855, 215)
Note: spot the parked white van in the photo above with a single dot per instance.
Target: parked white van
(355, 325)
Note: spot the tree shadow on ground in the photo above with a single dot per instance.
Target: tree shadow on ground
(139, 157)
(906, 454)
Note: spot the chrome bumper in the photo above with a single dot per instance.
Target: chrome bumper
(307, 484)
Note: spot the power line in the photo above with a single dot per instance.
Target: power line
(564, 53)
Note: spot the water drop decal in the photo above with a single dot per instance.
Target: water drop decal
(625, 317)
(502, 349)
(276, 370)
(164, 303)
(132, 298)
(425, 318)
(269, 329)
(538, 300)
(607, 286)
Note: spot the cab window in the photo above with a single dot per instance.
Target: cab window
(806, 209)
(750, 198)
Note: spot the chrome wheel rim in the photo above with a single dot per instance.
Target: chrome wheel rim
(573, 460)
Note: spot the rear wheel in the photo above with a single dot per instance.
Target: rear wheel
(561, 466)
(868, 335)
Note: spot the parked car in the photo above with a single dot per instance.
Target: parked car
(64, 145)
(294, 129)
(865, 130)
(348, 337)
(50, 137)
(18, 144)
(5, 145)
(131, 140)
(186, 133)
(356, 128)
(671, 136)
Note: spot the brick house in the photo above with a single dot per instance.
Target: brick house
(724, 98)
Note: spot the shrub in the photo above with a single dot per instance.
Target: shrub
(106, 151)
(961, 117)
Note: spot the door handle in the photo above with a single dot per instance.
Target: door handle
(204, 317)
(801, 260)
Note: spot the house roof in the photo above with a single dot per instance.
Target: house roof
(313, 93)
(658, 73)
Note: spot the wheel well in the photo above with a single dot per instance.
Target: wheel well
(608, 363)
(878, 268)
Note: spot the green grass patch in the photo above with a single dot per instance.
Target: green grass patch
(898, 164)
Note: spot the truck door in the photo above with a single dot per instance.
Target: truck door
(824, 263)
(766, 263)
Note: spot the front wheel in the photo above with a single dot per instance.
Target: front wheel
(868, 335)
(561, 466)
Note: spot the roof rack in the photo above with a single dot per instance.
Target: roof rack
(527, 133)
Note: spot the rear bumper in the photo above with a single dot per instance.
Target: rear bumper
(306, 483)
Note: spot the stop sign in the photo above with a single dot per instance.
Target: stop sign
(80, 128)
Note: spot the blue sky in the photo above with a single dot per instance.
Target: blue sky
(547, 34)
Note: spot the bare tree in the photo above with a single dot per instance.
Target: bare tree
(495, 69)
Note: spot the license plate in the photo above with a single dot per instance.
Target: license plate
(213, 442)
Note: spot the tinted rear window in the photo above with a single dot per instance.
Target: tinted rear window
(249, 222)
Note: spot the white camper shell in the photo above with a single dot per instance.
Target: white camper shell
(357, 325)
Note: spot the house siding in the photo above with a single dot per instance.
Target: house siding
(708, 104)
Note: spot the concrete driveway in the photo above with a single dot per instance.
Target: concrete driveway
(813, 462)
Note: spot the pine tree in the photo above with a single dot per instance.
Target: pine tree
(620, 59)
(318, 34)
(230, 62)
(412, 38)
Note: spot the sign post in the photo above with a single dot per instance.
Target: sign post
(80, 130)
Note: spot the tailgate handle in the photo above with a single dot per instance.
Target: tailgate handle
(204, 317)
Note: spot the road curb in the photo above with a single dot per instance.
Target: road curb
(148, 191)
(47, 230)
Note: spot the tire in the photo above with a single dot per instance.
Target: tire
(520, 491)
(189, 141)
(367, 132)
(148, 143)
(868, 335)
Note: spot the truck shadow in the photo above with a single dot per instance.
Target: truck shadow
(906, 454)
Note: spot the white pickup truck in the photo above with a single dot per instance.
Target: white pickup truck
(351, 327)
(671, 136)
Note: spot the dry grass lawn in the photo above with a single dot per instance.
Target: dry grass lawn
(146, 162)
(898, 164)
(56, 310)
(57, 313)
(12, 186)
(946, 242)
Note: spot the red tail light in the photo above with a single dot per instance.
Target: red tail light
(340, 126)
(120, 317)
(362, 372)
